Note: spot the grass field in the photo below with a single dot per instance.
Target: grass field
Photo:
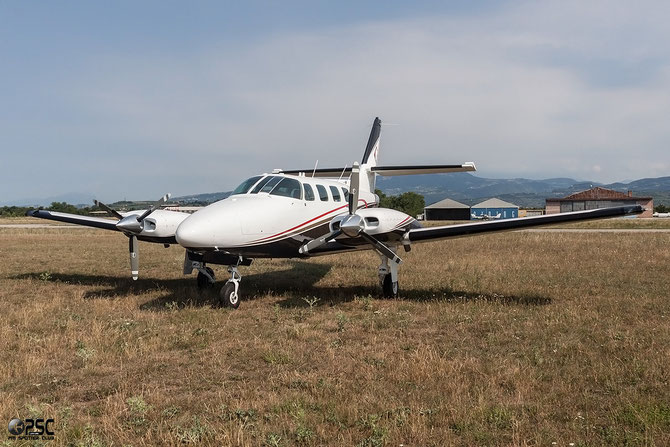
(509, 339)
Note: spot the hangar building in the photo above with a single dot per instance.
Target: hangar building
(598, 198)
(447, 209)
(493, 207)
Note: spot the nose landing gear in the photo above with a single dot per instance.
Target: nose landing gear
(230, 292)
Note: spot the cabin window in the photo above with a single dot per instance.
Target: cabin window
(346, 194)
(309, 192)
(323, 194)
(261, 184)
(246, 185)
(288, 187)
(270, 185)
(336, 193)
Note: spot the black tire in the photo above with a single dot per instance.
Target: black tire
(227, 296)
(203, 280)
(389, 287)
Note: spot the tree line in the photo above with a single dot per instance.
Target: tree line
(63, 207)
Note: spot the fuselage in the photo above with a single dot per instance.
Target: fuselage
(270, 215)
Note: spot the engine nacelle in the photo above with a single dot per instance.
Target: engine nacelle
(376, 220)
(162, 223)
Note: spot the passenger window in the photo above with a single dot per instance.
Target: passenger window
(346, 194)
(309, 192)
(288, 187)
(336, 193)
(323, 194)
(260, 184)
(271, 184)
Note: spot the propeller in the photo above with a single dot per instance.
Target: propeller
(111, 211)
(352, 225)
(132, 225)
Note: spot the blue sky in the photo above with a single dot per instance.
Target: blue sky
(132, 99)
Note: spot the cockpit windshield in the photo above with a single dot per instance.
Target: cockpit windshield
(246, 185)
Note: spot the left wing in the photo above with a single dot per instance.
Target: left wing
(471, 229)
(88, 221)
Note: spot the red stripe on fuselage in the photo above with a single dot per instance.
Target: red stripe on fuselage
(307, 222)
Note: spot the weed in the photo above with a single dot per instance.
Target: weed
(366, 301)
(194, 433)
(83, 352)
(272, 440)
(377, 435)
(342, 321)
(276, 358)
(303, 434)
(138, 409)
(311, 301)
(45, 276)
(171, 412)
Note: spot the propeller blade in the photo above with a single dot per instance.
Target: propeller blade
(133, 248)
(154, 206)
(111, 211)
(353, 188)
(381, 248)
(314, 243)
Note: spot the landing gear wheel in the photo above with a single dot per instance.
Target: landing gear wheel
(203, 281)
(389, 287)
(228, 296)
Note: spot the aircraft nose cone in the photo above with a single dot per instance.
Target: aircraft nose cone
(211, 227)
(191, 233)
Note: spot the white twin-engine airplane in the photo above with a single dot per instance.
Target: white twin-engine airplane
(297, 214)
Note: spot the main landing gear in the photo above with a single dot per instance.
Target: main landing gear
(388, 277)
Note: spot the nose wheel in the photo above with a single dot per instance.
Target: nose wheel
(230, 292)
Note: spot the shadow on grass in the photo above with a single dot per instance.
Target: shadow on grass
(298, 282)
(177, 293)
(332, 296)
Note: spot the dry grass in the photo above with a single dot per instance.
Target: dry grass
(510, 339)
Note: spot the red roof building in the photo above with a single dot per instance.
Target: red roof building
(598, 198)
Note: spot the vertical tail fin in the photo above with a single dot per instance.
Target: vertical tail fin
(370, 157)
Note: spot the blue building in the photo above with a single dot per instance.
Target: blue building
(494, 209)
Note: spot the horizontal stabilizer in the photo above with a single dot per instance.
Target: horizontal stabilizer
(422, 169)
(471, 229)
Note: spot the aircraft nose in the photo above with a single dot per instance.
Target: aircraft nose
(187, 235)
(195, 232)
(214, 226)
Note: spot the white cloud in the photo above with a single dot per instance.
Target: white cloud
(530, 90)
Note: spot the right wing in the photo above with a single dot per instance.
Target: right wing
(95, 222)
(472, 229)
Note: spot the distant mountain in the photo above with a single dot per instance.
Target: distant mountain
(470, 189)
(210, 197)
(73, 198)
(461, 186)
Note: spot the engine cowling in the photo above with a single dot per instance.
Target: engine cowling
(373, 221)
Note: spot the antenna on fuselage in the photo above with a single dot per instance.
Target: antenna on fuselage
(315, 165)
(343, 171)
